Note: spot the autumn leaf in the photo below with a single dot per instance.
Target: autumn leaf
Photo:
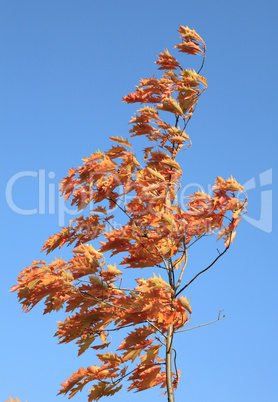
(167, 61)
(192, 43)
(171, 105)
(103, 389)
(186, 304)
(13, 400)
(121, 141)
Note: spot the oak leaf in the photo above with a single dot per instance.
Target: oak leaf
(185, 303)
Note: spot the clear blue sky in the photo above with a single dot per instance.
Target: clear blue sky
(65, 66)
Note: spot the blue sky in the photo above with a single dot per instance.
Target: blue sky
(65, 67)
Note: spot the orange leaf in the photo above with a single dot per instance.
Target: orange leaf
(121, 141)
(186, 304)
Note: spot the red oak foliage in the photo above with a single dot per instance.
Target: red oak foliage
(157, 233)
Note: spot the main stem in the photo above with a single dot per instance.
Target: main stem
(169, 340)
(169, 348)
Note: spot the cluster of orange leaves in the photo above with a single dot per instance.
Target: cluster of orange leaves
(157, 229)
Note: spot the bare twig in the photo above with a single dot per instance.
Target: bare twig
(203, 325)
(175, 361)
(117, 328)
(203, 62)
(198, 238)
(204, 270)
(159, 330)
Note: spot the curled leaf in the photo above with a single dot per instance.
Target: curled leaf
(185, 303)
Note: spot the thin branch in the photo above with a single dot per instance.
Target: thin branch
(198, 238)
(115, 382)
(175, 361)
(166, 267)
(178, 260)
(145, 234)
(173, 274)
(170, 273)
(159, 330)
(204, 270)
(120, 307)
(117, 328)
(203, 62)
(203, 325)
(123, 376)
(183, 269)
(158, 340)
(83, 293)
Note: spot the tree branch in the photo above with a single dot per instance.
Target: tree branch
(204, 270)
(203, 62)
(169, 384)
(198, 238)
(175, 361)
(203, 325)
(123, 308)
(183, 269)
(145, 234)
